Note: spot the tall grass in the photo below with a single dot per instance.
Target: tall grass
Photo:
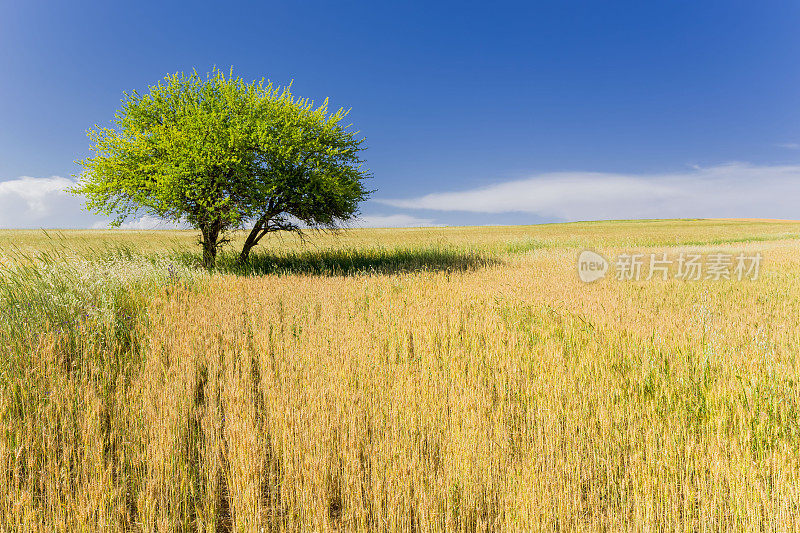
(413, 388)
(79, 296)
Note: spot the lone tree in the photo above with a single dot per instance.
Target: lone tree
(219, 154)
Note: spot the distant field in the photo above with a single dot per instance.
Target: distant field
(493, 238)
(433, 379)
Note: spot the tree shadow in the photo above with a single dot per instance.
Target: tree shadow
(355, 262)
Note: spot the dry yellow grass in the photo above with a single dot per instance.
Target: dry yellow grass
(503, 396)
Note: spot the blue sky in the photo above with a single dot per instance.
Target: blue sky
(474, 113)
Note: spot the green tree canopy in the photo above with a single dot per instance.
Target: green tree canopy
(220, 153)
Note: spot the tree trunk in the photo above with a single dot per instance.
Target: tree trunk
(210, 238)
(244, 257)
(209, 254)
(252, 239)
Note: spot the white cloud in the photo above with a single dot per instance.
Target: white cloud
(40, 202)
(141, 223)
(391, 221)
(790, 146)
(732, 190)
(28, 202)
(735, 190)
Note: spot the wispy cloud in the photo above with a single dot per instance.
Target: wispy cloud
(730, 190)
(29, 202)
(392, 221)
(141, 223)
(789, 146)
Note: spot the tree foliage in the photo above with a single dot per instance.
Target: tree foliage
(220, 153)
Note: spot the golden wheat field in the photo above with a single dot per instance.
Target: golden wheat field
(438, 379)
